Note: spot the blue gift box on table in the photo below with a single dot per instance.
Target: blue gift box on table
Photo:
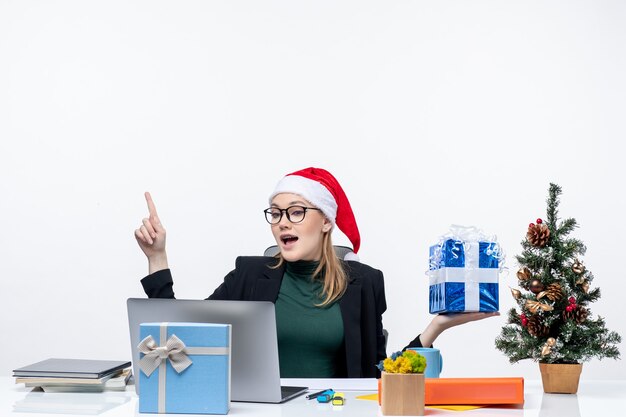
(464, 276)
(184, 368)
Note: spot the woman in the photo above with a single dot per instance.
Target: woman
(328, 311)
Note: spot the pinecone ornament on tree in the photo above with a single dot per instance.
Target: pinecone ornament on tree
(538, 234)
(554, 292)
(536, 327)
(579, 314)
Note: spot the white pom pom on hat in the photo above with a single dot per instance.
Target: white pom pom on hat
(322, 190)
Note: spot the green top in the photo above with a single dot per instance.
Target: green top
(310, 338)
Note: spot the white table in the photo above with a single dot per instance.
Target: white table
(594, 398)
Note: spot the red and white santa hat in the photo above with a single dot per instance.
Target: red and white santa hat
(321, 189)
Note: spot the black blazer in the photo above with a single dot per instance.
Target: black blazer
(361, 306)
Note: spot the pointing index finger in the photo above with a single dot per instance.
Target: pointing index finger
(151, 207)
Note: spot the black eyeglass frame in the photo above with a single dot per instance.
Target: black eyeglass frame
(268, 213)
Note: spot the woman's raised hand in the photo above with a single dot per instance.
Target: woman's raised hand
(151, 238)
(442, 322)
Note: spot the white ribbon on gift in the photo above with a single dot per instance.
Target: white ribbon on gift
(163, 349)
(472, 275)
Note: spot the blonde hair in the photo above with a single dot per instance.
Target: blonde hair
(330, 268)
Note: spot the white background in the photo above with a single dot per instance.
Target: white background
(429, 113)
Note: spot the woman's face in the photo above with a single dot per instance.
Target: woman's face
(299, 241)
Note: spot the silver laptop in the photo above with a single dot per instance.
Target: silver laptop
(254, 363)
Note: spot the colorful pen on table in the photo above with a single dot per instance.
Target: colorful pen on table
(316, 394)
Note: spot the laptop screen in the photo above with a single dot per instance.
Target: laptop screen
(254, 362)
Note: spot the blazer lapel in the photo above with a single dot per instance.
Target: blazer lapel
(267, 286)
(350, 305)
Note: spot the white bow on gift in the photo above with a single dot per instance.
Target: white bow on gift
(174, 350)
(470, 236)
(466, 233)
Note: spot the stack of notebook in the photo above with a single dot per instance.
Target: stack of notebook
(75, 375)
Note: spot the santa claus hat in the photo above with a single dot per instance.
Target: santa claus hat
(322, 190)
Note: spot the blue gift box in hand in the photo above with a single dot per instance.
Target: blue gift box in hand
(463, 273)
(185, 368)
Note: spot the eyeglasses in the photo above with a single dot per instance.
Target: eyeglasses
(295, 214)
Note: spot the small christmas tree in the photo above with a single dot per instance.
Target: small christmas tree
(555, 323)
